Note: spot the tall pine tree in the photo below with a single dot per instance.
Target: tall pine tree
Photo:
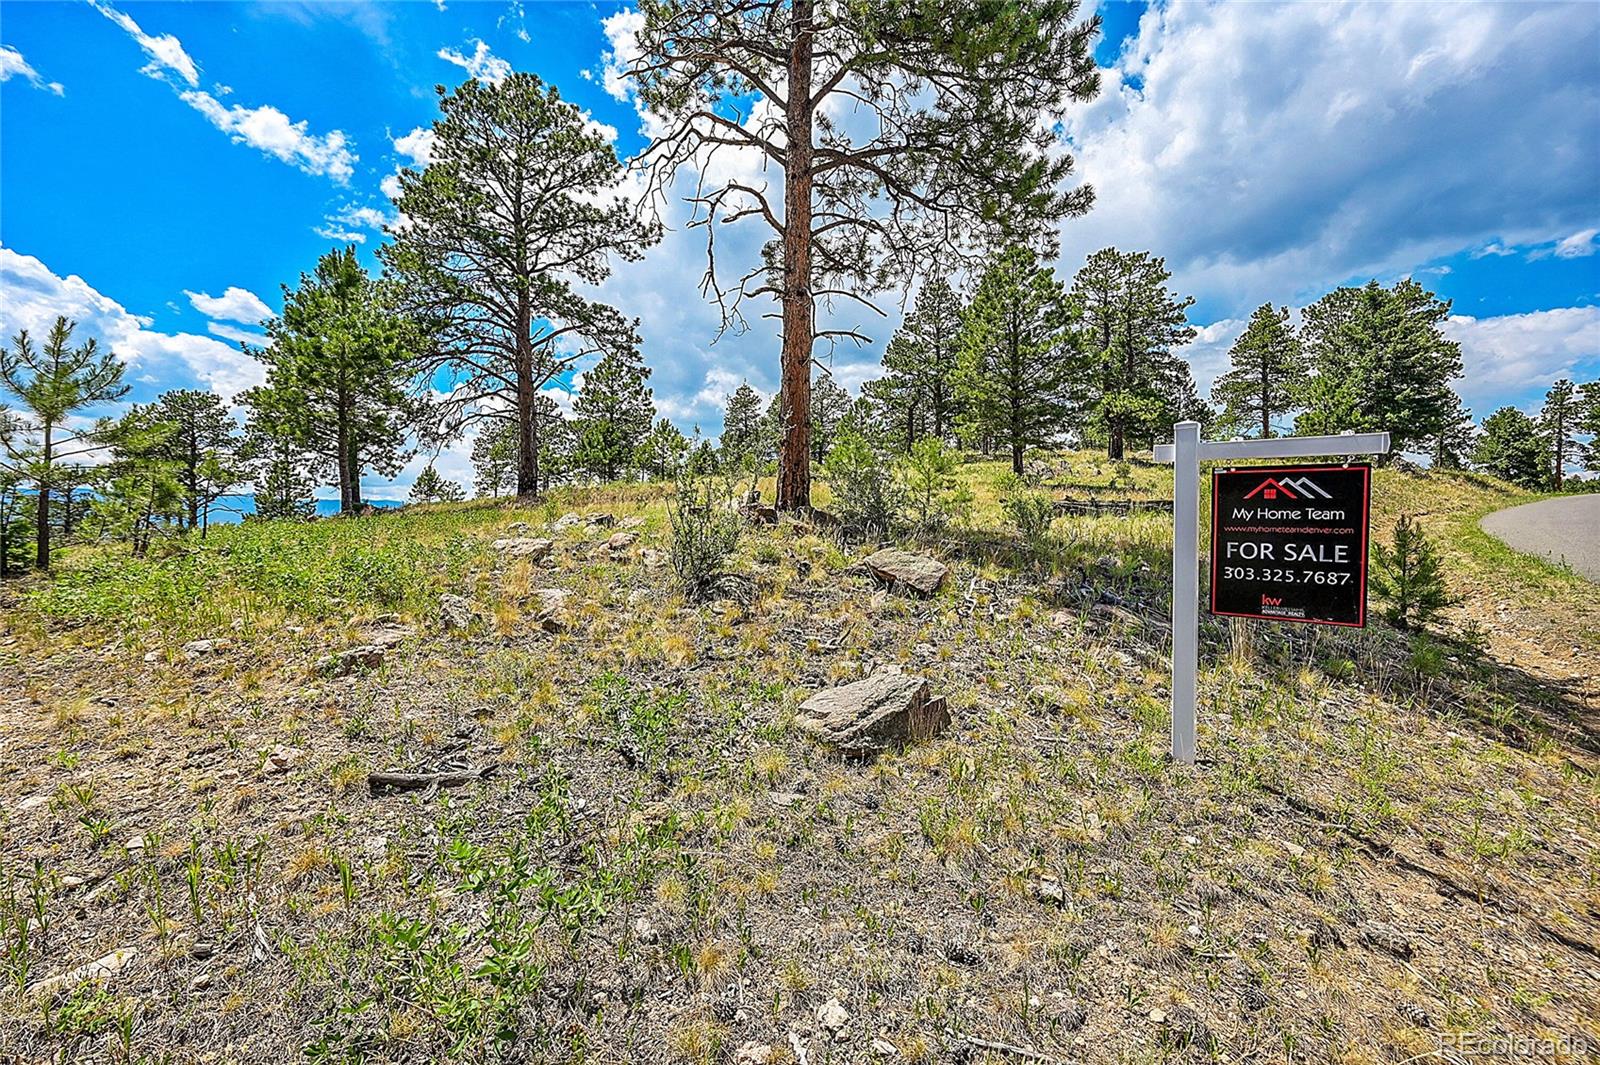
(614, 411)
(1380, 362)
(1513, 449)
(517, 211)
(1559, 420)
(741, 424)
(1131, 324)
(1267, 372)
(204, 444)
(338, 365)
(1018, 368)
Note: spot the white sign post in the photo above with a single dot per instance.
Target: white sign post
(1185, 453)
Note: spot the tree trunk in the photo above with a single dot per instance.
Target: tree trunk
(1266, 403)
(353, 464)
(1114, 445)
(343, 462)
(1561, 446)
(799, 313)
(42, 553)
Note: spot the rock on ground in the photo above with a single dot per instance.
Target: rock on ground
(551, 613)
(367, 656)
(531, 548)
(455, 611)
(918, 572)
(869, 715)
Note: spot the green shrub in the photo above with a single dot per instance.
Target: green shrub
(1409, 578)
(934, 499)
(1032, 511)
(705, 528)
(866, 499)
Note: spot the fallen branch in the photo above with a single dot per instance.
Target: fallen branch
(378, 783)
(1008, 1048)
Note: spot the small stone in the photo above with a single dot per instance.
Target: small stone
(1158, 1016)
(517, 528)
(753, 1053)
(152, 656)
(884, 1049)
(282, 758)
(1385, 937)
(1049, 890)
(1294, 849)
(202, 949)
(455, 611)
(365, 656)
(784, 799)
(644, 931)
(621, 541)
(135, 845)
(196, 648)
(602, 521)
(569, 520)
(832, 1017)
(551, 613)
(632, 521)
(201, 982)
(652, 558)
(98, 969)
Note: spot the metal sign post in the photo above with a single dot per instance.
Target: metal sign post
(1186, 453)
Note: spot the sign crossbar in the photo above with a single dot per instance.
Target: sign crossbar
(1185, 453)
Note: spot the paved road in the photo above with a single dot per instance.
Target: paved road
(1562, 530)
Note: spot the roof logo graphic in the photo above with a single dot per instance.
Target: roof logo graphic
(1292, 487)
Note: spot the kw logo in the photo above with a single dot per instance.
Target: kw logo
(1293, 487)
(1267, 600)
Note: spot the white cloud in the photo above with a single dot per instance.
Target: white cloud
(1579, 245)
(1513, 353)
(234, 333)
(274, 133)
(1207, 353)
(417, 146)
(1272, 151)
(622, 31)
(166, 51)
(342, 234)
(12, 64)
(234, 305)
(481, 64)
(32, 296)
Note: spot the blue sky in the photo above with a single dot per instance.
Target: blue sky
(166, 167)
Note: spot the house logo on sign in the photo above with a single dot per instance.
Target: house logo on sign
(1293, 487)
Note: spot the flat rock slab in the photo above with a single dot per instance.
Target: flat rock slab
(871, 715)
(531, 548)
(918, 572)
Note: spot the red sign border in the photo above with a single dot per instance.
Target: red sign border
(1366, 526)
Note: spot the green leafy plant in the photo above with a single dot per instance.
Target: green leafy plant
(1032, 511)
(705, 528)
(866, 499)
(934, 499)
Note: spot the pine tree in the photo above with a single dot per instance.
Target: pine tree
(1267, 374)
(52, 383)
(1379, 362)
(284, 474)
(1131, 324)
(661, 453)
(204, 445)
(922, 355)
(1408, 576)
(494, 458)
(516, 213)
(1559, 421)
(1513, 449)
(15, 532)
(893, 408)
(614, 411)
(1453, 446)
(1018, 369)
(830, 404)
(1588, 421)
(143, 494)
(952, 143)
(431, 487)
(741, 425)
(338, 364)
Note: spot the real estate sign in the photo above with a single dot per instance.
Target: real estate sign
(1289, 543)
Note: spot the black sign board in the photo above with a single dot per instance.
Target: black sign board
(1289, 543)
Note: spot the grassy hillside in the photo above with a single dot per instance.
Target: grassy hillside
(1391, 845)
